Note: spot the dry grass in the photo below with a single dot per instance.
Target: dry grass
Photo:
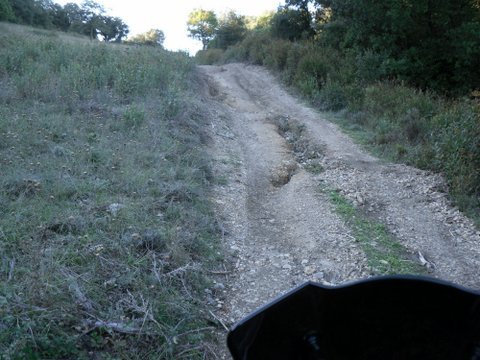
(105, 233)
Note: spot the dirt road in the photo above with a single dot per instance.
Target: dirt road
(280, 227)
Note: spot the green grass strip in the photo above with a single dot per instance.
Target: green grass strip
(386, 256)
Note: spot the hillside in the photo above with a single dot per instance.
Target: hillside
(106, 234)
(148, 203)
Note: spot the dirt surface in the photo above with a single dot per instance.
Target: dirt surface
(280, 229)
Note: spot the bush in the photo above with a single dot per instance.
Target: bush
(370, 67)
(456, 142)
(209, 56)
(255, 47)
(312, 68)
(277, 54)
(332, 97)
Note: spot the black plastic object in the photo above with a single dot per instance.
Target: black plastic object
(399, 317)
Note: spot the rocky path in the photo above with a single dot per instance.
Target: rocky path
(281, 229)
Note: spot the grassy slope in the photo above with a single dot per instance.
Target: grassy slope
(105, 231)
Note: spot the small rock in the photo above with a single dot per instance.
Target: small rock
(219, 286)
(115, 208)
(360, 200)
(287, 267)
(304, 262)
(309, 270)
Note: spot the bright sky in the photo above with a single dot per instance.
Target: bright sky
(171, 16)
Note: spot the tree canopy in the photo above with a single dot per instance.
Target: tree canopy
(89, 18)
(153, 37)
(292, 24)
(6, 11)
(231, 29)
(429, 43)
(202, 25)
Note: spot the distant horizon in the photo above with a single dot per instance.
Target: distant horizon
(173, 22)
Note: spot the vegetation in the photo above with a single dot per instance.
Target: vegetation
(88, 19)
(430, 44)
(231, 29)
(202, 25)
(153, 37)
(106, 235)
(386, 256)
(401, 76)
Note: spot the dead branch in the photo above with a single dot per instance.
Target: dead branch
(11, 268)
(219, 320)
(155, 269)
(214, 272)
(181, 270)
(195, 331)
(80, 298)
(186, 351)
(112, 325)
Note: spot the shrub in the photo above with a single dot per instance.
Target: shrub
(332, 97)
(209, 56)
(277, 54)
(456, 141)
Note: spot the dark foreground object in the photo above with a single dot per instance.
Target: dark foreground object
(380, 318)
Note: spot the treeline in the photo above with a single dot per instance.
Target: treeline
(405, 76)
(429, 44)
(88, 19)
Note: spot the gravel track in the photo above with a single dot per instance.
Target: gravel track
(281, 230)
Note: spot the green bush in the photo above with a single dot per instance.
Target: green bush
(277, 54)
(370, 67)
(429, 132)
(456, 142)
(332, 97)
(295, 53)
(311, 73)
(209, 56)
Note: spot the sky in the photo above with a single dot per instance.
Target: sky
(171, 16)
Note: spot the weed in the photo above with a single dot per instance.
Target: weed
(384, 253)
(133, 117)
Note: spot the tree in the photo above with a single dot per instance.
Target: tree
(6, 11)
(260, 23)
(428, 43)
(291, 24)
(93, 18)
(75, 16)
(153, 37)
(202, 25)
(298, 4)
(231, 30)
(60, 18)
(33, 12)
(112, 28)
